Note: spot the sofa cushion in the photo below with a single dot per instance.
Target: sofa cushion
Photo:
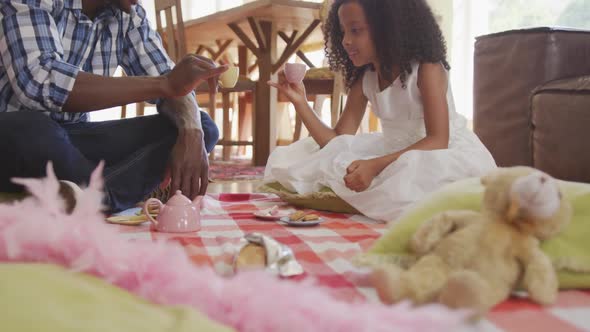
(508, 66)
(561, 118)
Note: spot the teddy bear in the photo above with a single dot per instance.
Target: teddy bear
(474, 260)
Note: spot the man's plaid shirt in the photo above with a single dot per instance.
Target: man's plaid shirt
(44, 43)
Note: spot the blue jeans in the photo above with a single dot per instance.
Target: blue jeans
(135, 151)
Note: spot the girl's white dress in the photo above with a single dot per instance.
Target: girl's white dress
(303, 167)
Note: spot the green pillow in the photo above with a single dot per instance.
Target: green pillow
(323, 200)
(569, 251)
(38, 297)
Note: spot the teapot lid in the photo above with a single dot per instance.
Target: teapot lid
(179, 200)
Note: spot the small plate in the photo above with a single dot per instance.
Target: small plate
(128, 220)
(266, 216)
(288, 221)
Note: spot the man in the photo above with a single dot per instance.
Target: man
(56, 62)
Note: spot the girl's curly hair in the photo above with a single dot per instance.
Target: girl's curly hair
(402, 30)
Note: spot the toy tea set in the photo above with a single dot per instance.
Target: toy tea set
(255, 250)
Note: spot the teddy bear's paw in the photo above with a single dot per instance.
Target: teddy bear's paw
(546, 297)
(386, 281)
(464, 290)
(542, 291)
(430, 233)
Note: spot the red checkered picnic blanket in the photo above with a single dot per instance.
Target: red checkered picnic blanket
(325, 253)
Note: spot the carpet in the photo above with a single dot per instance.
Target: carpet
(232, 171)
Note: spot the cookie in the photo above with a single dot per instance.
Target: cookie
(296, 216)
(311, 217)
(252, 256)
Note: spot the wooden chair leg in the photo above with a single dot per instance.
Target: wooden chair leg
(211, 106)
(245, 120)
(123, 111)
(226, 126)
(140, 108)
(211, 110)
(318, 103)
(252, 125)
(373, 122)
(297, 131)
(336, 101)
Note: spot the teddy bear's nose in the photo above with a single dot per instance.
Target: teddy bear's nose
(543, 179)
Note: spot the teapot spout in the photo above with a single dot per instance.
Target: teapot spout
(197, 201)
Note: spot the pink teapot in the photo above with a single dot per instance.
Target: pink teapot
(178, 215)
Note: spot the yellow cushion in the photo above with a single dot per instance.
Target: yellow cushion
(39, 297)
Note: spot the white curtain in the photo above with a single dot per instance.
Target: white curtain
(469, 20)
(461, 21)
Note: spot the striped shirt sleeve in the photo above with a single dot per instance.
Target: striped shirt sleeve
(32, 54)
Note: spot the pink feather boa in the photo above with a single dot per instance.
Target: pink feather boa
(38, 230)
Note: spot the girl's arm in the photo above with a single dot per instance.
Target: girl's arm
(349, 122)
(433, 85)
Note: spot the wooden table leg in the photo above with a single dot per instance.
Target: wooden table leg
(226, 126)
(266, 33)
(266, 98)
(244, 117)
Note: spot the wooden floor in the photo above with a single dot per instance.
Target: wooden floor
(233, 187)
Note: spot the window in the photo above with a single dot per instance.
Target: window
(512, 14)
(472, 18)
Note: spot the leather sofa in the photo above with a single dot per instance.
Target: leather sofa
(532, 99)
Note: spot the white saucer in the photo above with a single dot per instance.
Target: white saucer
(288, 221)
(269, 217)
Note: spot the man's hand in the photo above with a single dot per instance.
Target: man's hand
(189, 165)
(189, 73)
(361, 173)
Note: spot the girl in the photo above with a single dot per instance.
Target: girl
(393, 55)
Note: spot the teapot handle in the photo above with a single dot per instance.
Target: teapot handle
(147, 212)
(198, 201)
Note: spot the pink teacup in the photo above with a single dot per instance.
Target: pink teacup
(179, 215)
(295, 72)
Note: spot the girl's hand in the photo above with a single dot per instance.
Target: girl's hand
(294, 92)
(361, 173)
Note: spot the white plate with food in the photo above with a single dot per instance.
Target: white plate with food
(301, 222)
(268, 217)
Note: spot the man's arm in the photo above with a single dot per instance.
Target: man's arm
(43, 80)
(94, 92)
(145, 55)
(149, 76)
(188, 167)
